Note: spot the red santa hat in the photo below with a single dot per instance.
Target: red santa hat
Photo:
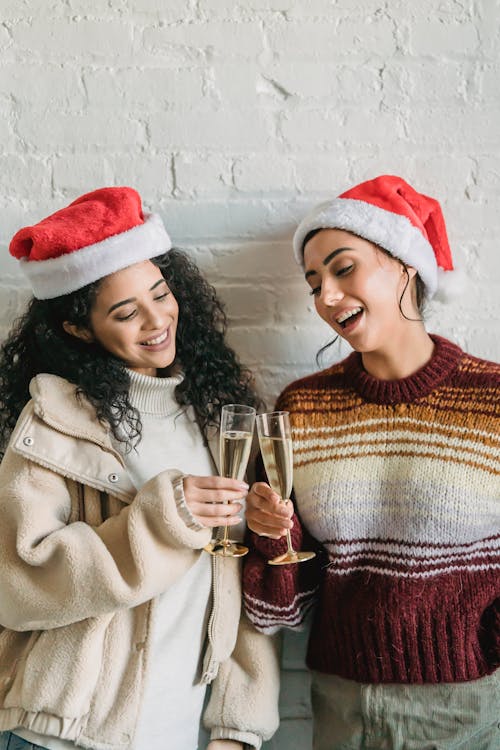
(390, 213)
(98, 234)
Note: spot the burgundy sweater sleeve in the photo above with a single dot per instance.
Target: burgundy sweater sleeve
(279, 596)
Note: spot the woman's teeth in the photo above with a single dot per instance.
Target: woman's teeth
(158, 340)
(342, 319)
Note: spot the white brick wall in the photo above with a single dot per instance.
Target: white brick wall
(233, 117)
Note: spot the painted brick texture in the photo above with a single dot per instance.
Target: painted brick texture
(232, 118)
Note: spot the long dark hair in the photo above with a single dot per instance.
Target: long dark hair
(37, 343)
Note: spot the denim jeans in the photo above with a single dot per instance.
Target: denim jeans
(9, 741)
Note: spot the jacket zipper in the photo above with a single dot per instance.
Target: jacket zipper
(211, 664)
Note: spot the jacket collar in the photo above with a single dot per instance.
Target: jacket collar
(56, 402)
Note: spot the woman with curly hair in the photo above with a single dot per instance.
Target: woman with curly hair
(113, 620)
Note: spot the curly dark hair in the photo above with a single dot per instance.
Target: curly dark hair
(38, 343)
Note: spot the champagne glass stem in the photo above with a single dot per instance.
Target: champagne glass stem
(290, 549)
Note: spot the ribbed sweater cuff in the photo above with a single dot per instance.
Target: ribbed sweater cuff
(182, 506)
(270, 548)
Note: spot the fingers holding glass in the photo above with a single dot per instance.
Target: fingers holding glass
(275, 439)
(266, 514)
(214, 501)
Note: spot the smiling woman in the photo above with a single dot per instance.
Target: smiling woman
(110, 390)
(138, 329)
(368, 297)
(396, 480)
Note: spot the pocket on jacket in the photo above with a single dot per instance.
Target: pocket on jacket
(70, 655)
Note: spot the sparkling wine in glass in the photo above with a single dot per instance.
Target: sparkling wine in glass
(236, 431)
(275, 441)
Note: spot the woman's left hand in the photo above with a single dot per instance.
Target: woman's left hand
(224, 745)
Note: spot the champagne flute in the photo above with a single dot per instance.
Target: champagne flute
(236, 431)
(275, 441)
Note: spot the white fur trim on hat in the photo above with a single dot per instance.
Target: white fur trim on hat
(391, 231)
(451, 284)
(67, 273)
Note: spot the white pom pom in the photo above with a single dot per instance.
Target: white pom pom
(451, 284)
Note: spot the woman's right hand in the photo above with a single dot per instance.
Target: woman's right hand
(266, 513)
(214, 501)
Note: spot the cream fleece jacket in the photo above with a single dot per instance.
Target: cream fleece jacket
(82, 558)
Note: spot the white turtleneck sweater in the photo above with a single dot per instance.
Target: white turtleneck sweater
(173, 698)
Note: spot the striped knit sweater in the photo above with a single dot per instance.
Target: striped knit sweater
(397, 482)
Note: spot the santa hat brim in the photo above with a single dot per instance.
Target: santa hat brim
(389, 230)
(67, 273)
